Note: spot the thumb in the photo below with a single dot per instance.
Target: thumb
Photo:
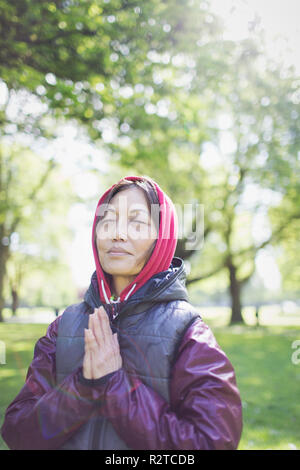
(117, 350)
(116, 343)
(115, 340)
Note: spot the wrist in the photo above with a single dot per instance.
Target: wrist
(95, 382)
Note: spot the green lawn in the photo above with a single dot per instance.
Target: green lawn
(268, 380)
(269, 383)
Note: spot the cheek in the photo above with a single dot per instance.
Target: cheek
(100, 244)
(144, 248)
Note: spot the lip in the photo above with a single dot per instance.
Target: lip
(118, 252)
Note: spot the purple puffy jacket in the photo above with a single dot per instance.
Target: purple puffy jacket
(204, 411)
(209, 417)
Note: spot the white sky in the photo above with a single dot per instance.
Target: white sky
(279, 19)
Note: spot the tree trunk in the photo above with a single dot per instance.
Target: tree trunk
(15, 301)
(1, 309)
(4, 254)
(235, 293)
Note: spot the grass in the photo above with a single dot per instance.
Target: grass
(262, 358)
(268, 382)
(19, 340)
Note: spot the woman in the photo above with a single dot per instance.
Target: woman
(133, 366)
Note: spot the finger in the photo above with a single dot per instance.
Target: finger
(116, 346)
(97, 330)
(118, 356)
(86, 340)
(93, 349)
(91, 316)
(94, 327)
(87, 366)
(87, 360)
(104, 324)
(91, 340)
(116, 342)
(90, 321)
(95, 352)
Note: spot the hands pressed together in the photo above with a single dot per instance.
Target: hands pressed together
(102, 351)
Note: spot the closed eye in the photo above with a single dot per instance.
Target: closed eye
(137, 221)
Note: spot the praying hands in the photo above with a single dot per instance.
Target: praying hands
(102, 351)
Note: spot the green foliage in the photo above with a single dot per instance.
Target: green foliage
(288, 258)
(212, 121)
(35, 201)
(77, 56)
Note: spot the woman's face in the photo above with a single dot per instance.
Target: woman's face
(127, 225)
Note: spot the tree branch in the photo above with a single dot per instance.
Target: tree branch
(182, 252)
(246, 278)
(61, 34)
(205, 276)
(275, 236)
(32, 195)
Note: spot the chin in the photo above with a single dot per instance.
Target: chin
(118, 266)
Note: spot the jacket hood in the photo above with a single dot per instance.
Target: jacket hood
(161, 287)
(162, 254)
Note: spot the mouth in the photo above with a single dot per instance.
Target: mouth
(118, 253)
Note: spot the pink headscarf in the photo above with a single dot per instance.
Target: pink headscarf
(162, 254)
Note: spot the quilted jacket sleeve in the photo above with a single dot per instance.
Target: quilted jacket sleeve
(44, 415)
(205, 407)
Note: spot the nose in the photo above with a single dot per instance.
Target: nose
(121, 230)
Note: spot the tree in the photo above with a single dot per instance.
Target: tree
(73, 56)
(260, 112)
(28, 185)
(255, 107)
(161, 88)
(83, 60)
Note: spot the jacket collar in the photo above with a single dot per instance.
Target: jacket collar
(161, 287)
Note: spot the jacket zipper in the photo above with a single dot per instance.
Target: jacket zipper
(116, 314)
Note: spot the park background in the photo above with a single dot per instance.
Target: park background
(202, 96)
